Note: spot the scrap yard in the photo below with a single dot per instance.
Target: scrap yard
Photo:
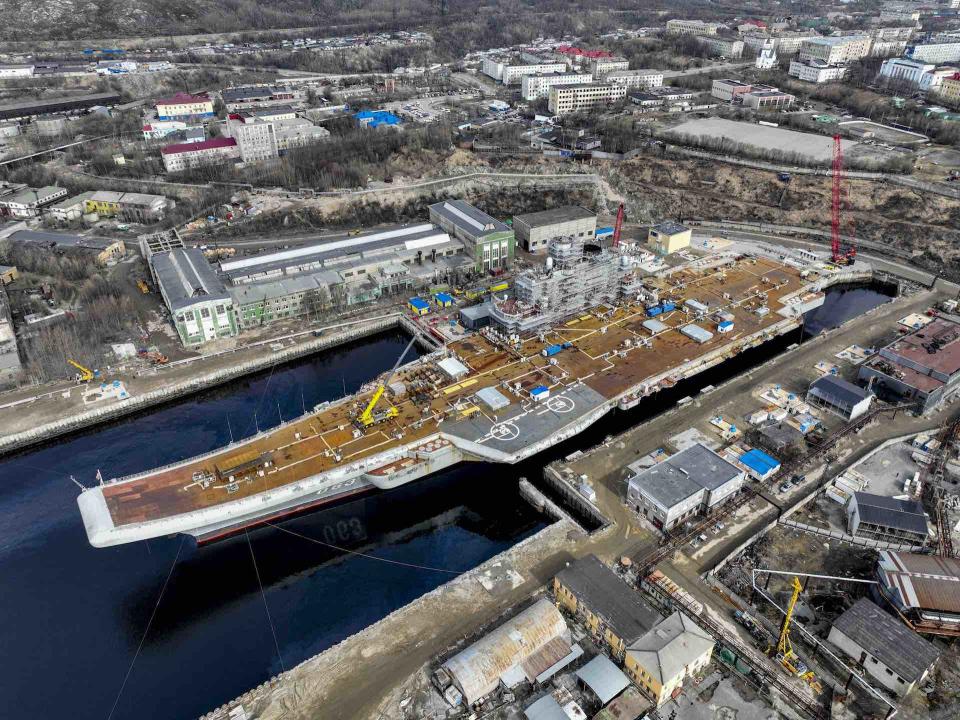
(495, 395)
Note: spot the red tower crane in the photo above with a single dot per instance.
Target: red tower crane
(840, 254)
(618, 226)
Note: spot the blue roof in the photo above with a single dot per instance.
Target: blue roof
(603, 231)
(759, 461)
(373, 118)
(726, 323)
(539, 389)
(443, 297)
(419, 303)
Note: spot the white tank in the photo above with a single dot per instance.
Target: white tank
(624, 261)
(549, 263)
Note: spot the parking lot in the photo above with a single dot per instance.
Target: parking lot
(426, 109)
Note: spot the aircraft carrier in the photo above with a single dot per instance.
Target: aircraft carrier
(537, 376)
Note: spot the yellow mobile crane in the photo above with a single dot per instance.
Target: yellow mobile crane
(84, 374)
(368, 417)
(785, 654)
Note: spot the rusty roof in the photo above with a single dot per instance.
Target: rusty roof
(925, 582)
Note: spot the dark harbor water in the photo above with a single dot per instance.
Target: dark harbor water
(72, 617)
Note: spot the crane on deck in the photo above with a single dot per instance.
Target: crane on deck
(841, 254)
(785, 654)
(618, 227)
(368, 417)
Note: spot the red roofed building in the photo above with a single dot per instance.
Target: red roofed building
(184, 105)
(183, 156)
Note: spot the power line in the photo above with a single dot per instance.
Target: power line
(365, 555)
(147, 630)
(264, 596)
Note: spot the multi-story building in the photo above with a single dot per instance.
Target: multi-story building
(941, 50)
(636, 79)
(200, 305)
(784, 43)
(931, 81)
(891, 520)
(534, 87)
(534, 231)
(258, 96)
(721, 47)
(662, 98)
(817, 71)
(900, 16)
(69, 209)
(668, 237)
(926, 76)
(297, 132)
(949, 90)
(488, 241)
(575, 98)
(132, 207)
(184, 106)
(256, 139)
(692, 482)
(889, 41)
(727, 89)
(600, 66)
(662, 659)
(692, 27)
(27, 202)
(185, 156)
(510, 73)
(835, 50)
(12, 71)
(768, 99)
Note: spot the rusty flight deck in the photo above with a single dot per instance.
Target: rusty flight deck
(322, 454)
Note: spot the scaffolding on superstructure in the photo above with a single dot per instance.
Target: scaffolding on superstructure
(572, 280)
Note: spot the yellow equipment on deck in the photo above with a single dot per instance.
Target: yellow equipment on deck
(368, 417)
(85, 374)
(785, 654)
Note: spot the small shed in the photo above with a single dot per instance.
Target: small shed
(725, 326)
(493, 398)
(453, 368)
(654, 326)
(695, 332)
(604, 678)
(418, 306)
(540, 393)
(760, 465)
(443, 299)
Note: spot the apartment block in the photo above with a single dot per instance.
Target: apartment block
(945, 50)
(600, 66)
(510, 73)
(636, 79)
(692, 27)
(721, 47)
(835, 50)
(949, 90)
(534, 87)
(816, 71)
(576, 98)
(183, 106)
(184, 156)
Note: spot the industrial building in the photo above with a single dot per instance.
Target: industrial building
(614, 612)
(768, 99)
(840, 397)
(883, 647)
(131, 207)
(923, 589)
(200, 305)
(525, 648)
(663, 658)
(106, 249)
(572, 280)
(534, 87)
(535, 230)
(26, 202)
(835, 49)
(921, 366)
(509, 72)
(78, 103)
(565, 99)
(692, 482)
(728, 89)
(692, 27)
(603, 679)
(668, 237)
(816, 71)
(258, 96)
(186, 156)
(667, 98)
(884, 518)
(489, 242)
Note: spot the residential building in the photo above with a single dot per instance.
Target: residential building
(567, 99)
(722, 47)
(185, 156)
(930, 82)
(729, 90)
(692, 27)
(674, 650)
(884, 518)
(767, 56)
(668, 237)
(488, 241)
(256, 139)
(184, 106)
(816, 71)
(508, 654)
(751, 25)
(10, 367)
(14, 71)
(510, 72)
(257, 304)
(28, 202)
(611, 610)
(200, 305)
(900, 16)
(940, 50)
(949, 90)
(692, 482)
(923, 589)
(535, 230)
(922, 366)
(534, 87)
(600, 66)
(771, 99)
(784, 43)
(840, 397)
(69, 209)
(890, 41)
(835, 50)
(633, 79)
(296, 133)
(884, 647)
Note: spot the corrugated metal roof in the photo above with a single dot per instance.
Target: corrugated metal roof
(926, 582)
(697, 333)
(838, 391)
(604, 678)
(890, 512)
(186, 278)
(887, 639)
